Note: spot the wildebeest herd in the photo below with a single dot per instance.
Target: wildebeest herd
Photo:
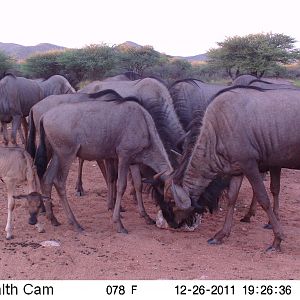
(189, 142)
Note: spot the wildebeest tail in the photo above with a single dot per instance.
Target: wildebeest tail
(41, 160)
(31, 147)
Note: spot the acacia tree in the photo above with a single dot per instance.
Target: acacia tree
(138, 59)
(43, 65)
(6, 63)
(253, 54)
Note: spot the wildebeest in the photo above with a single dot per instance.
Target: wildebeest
(97, 130)
(190, 95)
(19, 94)
(16, 166)
(155, 98)
(244, 79)
(244, 132)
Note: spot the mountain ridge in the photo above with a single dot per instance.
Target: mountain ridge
(21, 52)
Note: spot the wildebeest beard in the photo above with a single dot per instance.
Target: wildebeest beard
(209, 199)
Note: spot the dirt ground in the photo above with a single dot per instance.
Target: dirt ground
(148, 252)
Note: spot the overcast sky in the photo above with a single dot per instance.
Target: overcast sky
(174, 27)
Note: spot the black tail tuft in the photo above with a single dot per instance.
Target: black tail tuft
(41, 160)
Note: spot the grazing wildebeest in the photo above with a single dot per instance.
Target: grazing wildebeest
(244, 132)
(19, 94)
(97, 130)
(16, 166)
(155, 98)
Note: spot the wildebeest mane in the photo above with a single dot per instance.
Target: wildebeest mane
(158, 116)
(104, 93)
(259, 80)
(194, 129)
(209, 199)
(187, 80)
(234, 87)
(5, 74)
(132, 75)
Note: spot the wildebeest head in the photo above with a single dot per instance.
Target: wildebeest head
(176, 205)
(34, 204)
(166, 193)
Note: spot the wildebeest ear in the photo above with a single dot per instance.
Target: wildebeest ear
(181, 198)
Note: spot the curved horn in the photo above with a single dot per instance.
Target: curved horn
(181, 198)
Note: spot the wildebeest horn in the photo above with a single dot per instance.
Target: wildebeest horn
(158, 175)
(177, 153)
(181, 198)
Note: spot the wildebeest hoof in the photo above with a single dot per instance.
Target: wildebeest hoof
(214, 241)
(78, 228)
(54, 222)
(273, 249)
(10, 237)
(149, 221)
(122, 209)
(268, 226)
(122, 230)
(245, 219)
(79, 193)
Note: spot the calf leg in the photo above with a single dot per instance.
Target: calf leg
(11, 205)
(233, 191)
(138, 186)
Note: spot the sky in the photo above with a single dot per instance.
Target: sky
(174, 27)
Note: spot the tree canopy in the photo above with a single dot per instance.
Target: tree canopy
(6, 63)
(253, 54)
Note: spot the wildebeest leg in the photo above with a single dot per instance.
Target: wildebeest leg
(252, 173)
(252, 210)
(11, 205)
(25, 128)
(275, 189)
(60, 184)
(233, 192)
(132, 189)
(137, 182)
(123, 167)
(5, 133)
(111, 178)
(46, 185)
(16, 123)
(101, 165)
(79, 187)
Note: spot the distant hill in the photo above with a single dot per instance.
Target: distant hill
(195, 58)
(22, 52)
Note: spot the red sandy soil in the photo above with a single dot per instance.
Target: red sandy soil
(148, 252)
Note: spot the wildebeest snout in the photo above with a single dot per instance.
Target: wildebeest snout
(32, 219)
